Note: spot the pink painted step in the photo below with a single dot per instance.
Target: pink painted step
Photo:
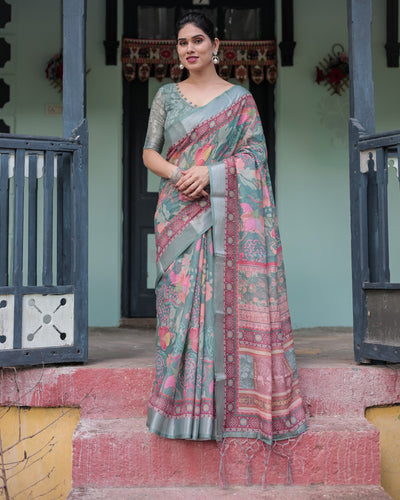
(99, 392)
(317, 492)
(348, 390)
(123, 453)
(123, 392)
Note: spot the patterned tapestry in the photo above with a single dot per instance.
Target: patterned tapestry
(238, 59)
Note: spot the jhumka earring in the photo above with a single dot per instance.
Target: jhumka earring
(181, 66)
(215, 58)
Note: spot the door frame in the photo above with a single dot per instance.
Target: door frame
(264, 95)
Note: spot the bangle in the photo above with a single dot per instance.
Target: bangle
(176, 175)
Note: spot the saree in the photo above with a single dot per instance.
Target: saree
(225, 362)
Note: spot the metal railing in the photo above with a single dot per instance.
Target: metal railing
(43, 249)
(376, 300)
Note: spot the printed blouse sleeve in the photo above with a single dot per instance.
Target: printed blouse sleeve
(155, 129)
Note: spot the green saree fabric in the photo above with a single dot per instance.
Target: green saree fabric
(225, 363)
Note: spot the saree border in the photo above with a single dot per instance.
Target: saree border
(182, 231)
(238, 423)
(217, 186)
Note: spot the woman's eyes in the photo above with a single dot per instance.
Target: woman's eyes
(197, 41)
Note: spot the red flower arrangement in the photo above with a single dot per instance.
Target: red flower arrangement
(54, 71)
(333, 70)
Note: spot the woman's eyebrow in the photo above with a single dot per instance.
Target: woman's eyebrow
(195, 36)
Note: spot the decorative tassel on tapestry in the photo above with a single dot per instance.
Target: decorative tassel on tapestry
(238, 59)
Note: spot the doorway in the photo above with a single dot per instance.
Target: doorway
(156, 19)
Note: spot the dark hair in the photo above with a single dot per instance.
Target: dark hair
(199, 20)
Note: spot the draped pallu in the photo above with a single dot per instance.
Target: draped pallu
(225, 363)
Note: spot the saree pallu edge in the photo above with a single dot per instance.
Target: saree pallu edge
(260, 392)
(251, 354)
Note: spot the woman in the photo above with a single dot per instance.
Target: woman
(225, 362)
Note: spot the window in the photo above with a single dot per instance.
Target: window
(232, 24)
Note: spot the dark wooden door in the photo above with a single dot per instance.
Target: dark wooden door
(139, 199)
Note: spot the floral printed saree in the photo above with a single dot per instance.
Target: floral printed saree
(225, 363)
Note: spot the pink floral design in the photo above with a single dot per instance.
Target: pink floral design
(181, 281)
(203, 153)
(165, 337)
(170, 382)
(209, 291)
(194, 338)
(251, 222)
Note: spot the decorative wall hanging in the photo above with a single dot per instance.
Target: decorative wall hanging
(333, 70)
(54, 71)
(238, 59)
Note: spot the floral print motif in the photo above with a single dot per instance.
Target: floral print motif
(256, 326)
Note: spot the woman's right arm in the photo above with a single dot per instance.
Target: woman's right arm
(157, 164)
(155, 139)
(193, 186)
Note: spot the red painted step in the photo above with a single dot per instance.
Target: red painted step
(122, 452)
(317, 492)
(123, 392)
(348, 390)
(116, 457)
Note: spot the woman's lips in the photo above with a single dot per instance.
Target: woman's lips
(191, 59)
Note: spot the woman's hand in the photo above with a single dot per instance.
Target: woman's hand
(193, 181)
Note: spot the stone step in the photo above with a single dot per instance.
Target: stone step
(348, 390)
(114, 392)
(316, 492)
(123, 453)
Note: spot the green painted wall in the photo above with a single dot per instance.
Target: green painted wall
(312, 158)
(312, 164)
(35, 35)
(104, 99)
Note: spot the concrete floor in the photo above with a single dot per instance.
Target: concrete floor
(129, 346)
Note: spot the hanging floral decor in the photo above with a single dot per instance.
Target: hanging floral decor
(54, 71)
(333, 70)
(238, 59)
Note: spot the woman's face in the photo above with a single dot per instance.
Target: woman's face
(195, 47)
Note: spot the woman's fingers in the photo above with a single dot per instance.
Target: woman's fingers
(195, 195)
(194, 174)
(189, 186)
(192, 183)
(186, 182)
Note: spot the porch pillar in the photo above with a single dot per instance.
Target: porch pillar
(362, 105)
(362, 120)
(75, 126)
(366, 257)
(74, 64)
